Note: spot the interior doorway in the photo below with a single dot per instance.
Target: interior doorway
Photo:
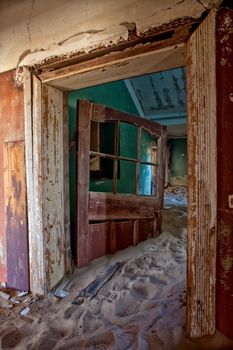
(156, 98)
(46, 101)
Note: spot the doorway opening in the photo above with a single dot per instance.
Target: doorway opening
(156, 267)
(46, 104)
(158, 97)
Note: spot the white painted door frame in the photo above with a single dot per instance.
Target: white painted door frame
(40, 110)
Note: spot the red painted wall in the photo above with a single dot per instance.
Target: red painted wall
(11, 129)
(225, 170)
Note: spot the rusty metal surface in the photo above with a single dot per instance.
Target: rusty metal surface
(16, 216)
(225, 171)
(12, 129)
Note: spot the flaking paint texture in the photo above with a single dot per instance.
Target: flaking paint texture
(12, 129)
(53, 177)
(33, 31)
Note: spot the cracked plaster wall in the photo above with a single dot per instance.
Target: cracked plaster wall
(33, 30)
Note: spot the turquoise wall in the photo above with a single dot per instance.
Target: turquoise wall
(178, 157)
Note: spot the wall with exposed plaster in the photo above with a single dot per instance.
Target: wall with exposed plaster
(34, 30)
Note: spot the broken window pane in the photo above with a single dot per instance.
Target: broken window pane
(101, 174)
(128, 137)
(102, 137)
(126, 182)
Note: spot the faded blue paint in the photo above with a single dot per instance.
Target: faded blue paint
(162, 95)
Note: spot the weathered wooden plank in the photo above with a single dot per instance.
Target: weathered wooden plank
(34, 168)
(66, 182)
(12, 129)
(224, 66)
(52, 185)
(112, 237)
(16, 216)
(124, 234)
(162, 144)
(93, 288)
(135, 232)
(102, 113)
(145, 229)
(45, 184)
(116, 147)
(201, 94)
(161, 37)
(130, 66)
(109, 206)
(83, 246)
(138, 159)
(99, 235)
(28, 130)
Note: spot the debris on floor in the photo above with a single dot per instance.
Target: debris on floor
(93, 288)
(4, 295)
(24, 311)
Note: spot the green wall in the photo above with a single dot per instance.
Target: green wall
(178, 157)
(115, 95)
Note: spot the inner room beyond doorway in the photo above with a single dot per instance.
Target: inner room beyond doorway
(153, 275)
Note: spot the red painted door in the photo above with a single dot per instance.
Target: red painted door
(120, 180)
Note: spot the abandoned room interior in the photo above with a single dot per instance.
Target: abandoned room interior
(116, 195)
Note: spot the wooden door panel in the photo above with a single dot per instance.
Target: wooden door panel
(16, 216)
(99, 236)
(109, 206)
(146, 229)
(124, 234)
(120, 213)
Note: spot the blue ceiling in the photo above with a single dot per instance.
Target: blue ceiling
(160, 96)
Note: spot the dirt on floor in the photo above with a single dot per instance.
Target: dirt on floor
(141, 307)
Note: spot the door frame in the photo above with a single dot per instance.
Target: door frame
(202, 222)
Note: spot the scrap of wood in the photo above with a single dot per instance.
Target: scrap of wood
(4, 295)
(93, 288)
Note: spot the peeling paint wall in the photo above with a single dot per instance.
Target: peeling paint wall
(225, 171)
(12, 129)
(31, 31)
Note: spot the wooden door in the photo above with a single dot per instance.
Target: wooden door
(120, 180)
(16, 216)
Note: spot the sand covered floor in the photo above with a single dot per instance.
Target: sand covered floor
(141, 307)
